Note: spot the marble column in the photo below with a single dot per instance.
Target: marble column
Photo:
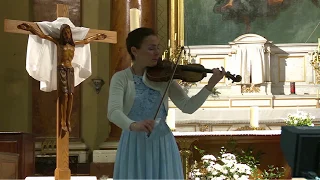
(120, 22)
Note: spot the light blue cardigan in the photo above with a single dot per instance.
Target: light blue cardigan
(122, 94)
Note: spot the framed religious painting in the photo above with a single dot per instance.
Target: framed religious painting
(218, 22)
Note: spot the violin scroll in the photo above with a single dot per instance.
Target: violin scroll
(234, 78)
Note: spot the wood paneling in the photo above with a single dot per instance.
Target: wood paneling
(44, 103)
(9, 163)
(22, 144)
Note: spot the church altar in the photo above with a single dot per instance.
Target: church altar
(229, 119)
(266, 68)
(277, 79)
(266, 141)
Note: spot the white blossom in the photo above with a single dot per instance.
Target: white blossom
(224, 167)
(243, 177)
(208, 157)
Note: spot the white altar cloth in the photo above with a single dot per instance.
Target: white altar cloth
(52, 178)
(230, 133)
(239, 115)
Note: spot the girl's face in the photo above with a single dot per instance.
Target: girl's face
(149, 53)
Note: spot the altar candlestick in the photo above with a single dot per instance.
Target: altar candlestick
(134, 18)
(254, 116)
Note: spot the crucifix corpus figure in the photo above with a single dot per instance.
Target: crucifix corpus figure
(57, 48)
(65, 72)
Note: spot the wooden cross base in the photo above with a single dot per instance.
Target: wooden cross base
(62, 171)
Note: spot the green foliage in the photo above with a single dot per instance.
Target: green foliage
(245, 156)
(271, 173)
(299, 119)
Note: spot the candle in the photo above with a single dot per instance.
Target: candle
(134, 18)
(175, 36)
(254, 116)
(168, 43)
(171, 118)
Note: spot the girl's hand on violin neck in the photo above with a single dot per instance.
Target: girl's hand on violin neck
(142, 126)
(217, 75)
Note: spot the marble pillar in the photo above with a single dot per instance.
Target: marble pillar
(120, 22)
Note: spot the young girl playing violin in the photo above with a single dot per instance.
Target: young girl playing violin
(147, 147)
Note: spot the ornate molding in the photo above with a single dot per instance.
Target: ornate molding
(204, 127)
(252, 89)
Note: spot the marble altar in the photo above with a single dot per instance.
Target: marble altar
(281, 64)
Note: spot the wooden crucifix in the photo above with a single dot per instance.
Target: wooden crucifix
(65, 77)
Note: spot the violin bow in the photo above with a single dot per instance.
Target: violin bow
(171, 78)
(312, 32)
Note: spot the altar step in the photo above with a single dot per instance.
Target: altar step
(267, 101)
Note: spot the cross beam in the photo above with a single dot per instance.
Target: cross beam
(10, 26)
(62, 170)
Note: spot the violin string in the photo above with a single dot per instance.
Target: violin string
(182, 48)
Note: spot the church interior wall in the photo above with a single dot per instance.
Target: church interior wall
(15, 103)
(95, 125)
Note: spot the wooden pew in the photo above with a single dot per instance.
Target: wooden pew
(9, 163)
(22, 144)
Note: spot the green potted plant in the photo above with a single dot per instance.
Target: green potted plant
(300, 118)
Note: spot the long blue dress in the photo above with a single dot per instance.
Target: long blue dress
(142, 157)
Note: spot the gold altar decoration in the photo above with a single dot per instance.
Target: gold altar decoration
(186, 153)
(204, 127)
(249, 128)
(252, 89)
(176, 23)
(315, 62)
(176, 38)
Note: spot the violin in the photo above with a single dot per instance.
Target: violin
(164, 70)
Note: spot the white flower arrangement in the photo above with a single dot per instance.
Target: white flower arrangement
(220, 168)
(300, 118)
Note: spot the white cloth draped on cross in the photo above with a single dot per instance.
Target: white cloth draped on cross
(41, 61)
